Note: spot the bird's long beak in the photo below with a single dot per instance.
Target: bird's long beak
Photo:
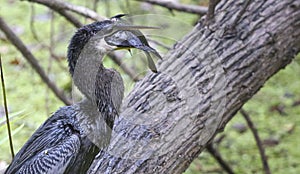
(134, 27)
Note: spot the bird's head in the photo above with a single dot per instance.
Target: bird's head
(108, 35)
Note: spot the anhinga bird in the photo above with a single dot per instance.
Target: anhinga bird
(69, 140)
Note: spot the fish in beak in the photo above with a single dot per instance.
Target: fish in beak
(128, 36)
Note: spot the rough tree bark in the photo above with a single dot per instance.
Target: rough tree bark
(169, 117)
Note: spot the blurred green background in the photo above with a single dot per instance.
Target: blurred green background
(274, 109)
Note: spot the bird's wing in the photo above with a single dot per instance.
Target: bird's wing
(57, 129)
(53, 160)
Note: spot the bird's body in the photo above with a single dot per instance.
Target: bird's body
(69, 140)
(40, 149)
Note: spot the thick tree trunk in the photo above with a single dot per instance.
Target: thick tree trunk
(169, 117)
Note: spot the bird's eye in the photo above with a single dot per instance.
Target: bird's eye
(114, 19)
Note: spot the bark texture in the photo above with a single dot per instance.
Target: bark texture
(169, 117)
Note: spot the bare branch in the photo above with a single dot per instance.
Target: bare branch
(32, 60)
(95, 5)
(32, 28)
(200, 10)
(258, 141)
(211, 11)
(55, 4)
(50, 60)
(216, 154)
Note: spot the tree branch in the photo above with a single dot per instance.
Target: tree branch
(258, 141)
(215, 153)
(32, 60)
(171, 116)
(61, 5)
(179, 7)
(211, 11)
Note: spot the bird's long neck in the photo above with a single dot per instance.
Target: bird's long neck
(103, 88)
(88, 65)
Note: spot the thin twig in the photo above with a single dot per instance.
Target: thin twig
(35, 36)
(211, 11)
(258, 141)
(95, 5)
(107, 7)
(62, 5)
(50, 60)
(56, 57)
(194, 9)
(215, 153)
(32, 60)
(32, 28)
(6, 111)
